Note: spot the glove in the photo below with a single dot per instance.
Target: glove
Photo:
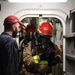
(47, 55)
(43, 56)
(36, 59)
(50, 54)
(55, 60)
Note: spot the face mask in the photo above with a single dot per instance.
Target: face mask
(15, 33)
(44, 42)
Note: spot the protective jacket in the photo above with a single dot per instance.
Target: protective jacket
(33, 66)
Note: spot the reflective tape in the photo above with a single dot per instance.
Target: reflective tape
(43, 62)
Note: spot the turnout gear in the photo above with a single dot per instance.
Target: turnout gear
(46, 52)
(42, 62)
(30, 62)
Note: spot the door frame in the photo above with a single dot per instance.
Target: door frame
(61, 15)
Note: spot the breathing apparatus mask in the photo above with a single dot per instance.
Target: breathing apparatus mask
(44, 42)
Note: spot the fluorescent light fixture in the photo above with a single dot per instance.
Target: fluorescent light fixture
(35, 1)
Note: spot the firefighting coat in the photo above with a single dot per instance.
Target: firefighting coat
(28, 59)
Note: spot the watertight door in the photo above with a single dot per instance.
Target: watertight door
(70, 43)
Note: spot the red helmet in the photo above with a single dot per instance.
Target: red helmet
(45, 29)
(30, 29)
(22, 28)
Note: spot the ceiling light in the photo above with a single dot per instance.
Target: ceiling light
(35, 1)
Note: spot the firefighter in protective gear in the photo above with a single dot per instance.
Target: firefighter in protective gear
(53, 53)
(46, 52)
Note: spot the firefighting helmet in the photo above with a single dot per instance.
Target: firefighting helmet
(22, 28)
(30, 28)
(45, 29)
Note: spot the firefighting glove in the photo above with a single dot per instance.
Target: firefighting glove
(50, 54)
(47, 55)
(43, 56)
(36, 59)
(56, 60)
